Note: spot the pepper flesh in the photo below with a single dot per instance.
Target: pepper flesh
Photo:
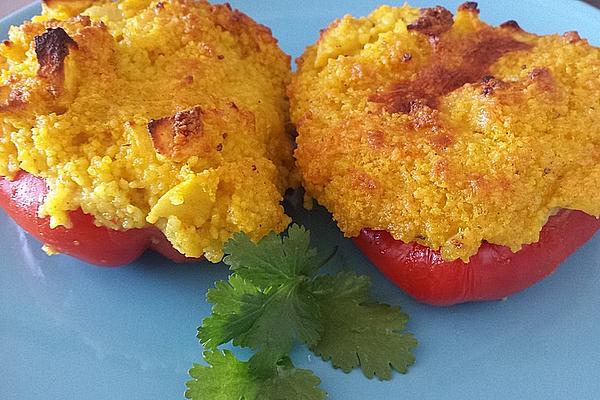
(494, 273)
(22, 197)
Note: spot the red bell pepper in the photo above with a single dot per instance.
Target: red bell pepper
(22, 197)
(493, 273)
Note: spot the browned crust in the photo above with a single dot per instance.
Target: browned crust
(237, 23)
(13, 99)
(572, 37)
(490, 84)
(470, 6)
(376, 138)
(478, 54)
(52, 48)
(172, 135)
(427, 122)
(433, 21)
(542, 76)
(511, 25)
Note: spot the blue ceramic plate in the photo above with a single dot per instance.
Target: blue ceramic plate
(72, 331)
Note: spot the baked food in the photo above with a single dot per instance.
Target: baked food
(449, 133)
(169, 115)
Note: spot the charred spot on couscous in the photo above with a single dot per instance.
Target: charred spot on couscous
(51, 49)
(171, 113)
(446, 131)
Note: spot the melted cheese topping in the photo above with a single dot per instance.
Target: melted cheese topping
(142, 112)
(446, 131)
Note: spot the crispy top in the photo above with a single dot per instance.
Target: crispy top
(444, 130)
(140, 112)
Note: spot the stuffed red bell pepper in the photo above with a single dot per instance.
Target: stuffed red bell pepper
(463, 158)
(126, 126)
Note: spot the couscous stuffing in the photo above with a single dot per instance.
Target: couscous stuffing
(446, 131)
(171, 113)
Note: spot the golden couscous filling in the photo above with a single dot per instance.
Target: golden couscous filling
(171, 113)
(444, 130)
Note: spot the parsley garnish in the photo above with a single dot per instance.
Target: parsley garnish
(274, 299)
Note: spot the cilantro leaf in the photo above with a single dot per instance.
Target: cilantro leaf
(273, 261)
(359, 333)
(291, 315)
(269, 321)
(292, 383)
(343, 284)
(227, 378)
(237, 305)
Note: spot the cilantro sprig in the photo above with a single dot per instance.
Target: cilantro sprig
(275, 298)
